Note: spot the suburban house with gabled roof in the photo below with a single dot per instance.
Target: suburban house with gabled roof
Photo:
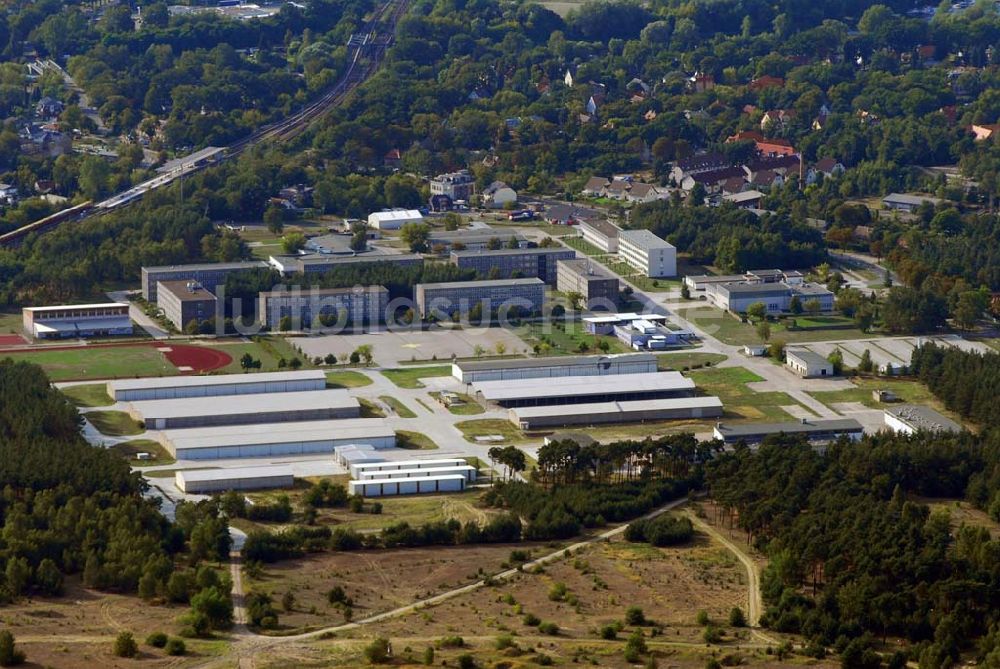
(595, 187)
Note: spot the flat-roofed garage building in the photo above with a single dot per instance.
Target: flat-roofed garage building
(539, 368)
(175, 387)
(397, 465)
(246, 409)
(407, 486)
(584, 390)
(633, 411)
(207, 481)
(267, 440)
(813, 430)
(468, 471)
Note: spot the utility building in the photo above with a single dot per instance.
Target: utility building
(208, 481)
(175, 387)
(185, 301)
(807, 364)
(77, 320)
(911, 418)
(394, 219)
(813, 430)
(627, 411)
(474, 371)
(584, 390)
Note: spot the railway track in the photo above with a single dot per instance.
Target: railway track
(366, 52)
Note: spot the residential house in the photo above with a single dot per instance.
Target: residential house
(456, 185)
(712, 180)
(8, 193)
(49, 107)
(766, 81)
(593, 104)
(299, 195)
(782, 165)
(499, 194)
(618, 189)
(568, 77)
(734, 185)
(776, 118)
(701, 82)
(745, 200)
(393, 159)
(985, 131)
(767, 179)
(594, 187)
(643, 192)
(704, 162)
(775, 147)
(828, 167)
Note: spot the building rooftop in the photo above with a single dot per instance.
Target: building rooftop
(603, 227)
(492, 283)
(566, 361)
(627, 317)
(64, 307)
(745, 196)
(271, 433)
(923, 418)
(231, 405)
(586, 267)
(307, 292)
(190, 159)
(701, 402)
(743, 288)
(397, 215)
(510, 252)
(195, 267)
(578, 386)
(230, 473)
(906, 198)
(746, 430)
(437, 477)
(214, 380)
(186, 291)
(806, 357)
(644, 239)
(811, 289)
(413, 464)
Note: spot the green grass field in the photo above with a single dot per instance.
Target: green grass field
(410, 377)
(401, 409)
(97, 362)
(129, 449)
(266, 349)
(347, 378)
(89, 395)
(414, 441)
(490, 426)
(687, 360)
(10, 323)
(730, 330)
(907, 390)
(369, 409)
(581, 245)
(114, 423)
(738, 401)
(565, 338)
(470, 407)
(639, 280)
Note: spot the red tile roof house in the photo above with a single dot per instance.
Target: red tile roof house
(776, 147)
(766, 81)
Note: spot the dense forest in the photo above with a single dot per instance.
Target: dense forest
(854, 558)
(68, 508)
(967, 383)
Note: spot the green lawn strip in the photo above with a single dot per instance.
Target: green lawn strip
(726, 328)
(11, 323)
(346, 378)
(490, 426)
(114, 423)
(401, 409)
(907, 390)
(369, 409)
(89, 395)
(414, 441)
(565, 338)
(639, 280)
(129, 449)
(738, 401)
(470, 406)
(410, 377)
(687, 360)
(97, 362)
(581, 245)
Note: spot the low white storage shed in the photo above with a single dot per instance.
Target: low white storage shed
(468, 471)
(407, 486)
(206, 481)
(176, 387)
(390, 465)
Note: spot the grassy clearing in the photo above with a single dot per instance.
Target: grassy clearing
(114, 423)
(687, 360)
(410, 377)
(369, 409)
(907, 390)
(129, 449)
(269, 350)
(93, 362)
(488, 427)
(566, 338)
(470, 406)
(347, 378)
(401, 409)
(730, 330)
(89, 395)
(638, 279)
(582, 245)
(414, 441)
(729, 384)
(11, 323)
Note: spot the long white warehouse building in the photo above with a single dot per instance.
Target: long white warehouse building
(407, 486)
(265, 440)
(468, 471)
(177, 387)
(207, 481)
(578, 390)
(540, 368)
(390, 465)
(246, 409)
(538, 417)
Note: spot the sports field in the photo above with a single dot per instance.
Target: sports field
(106, 362)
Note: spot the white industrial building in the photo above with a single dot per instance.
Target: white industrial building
(537, 368)
(584, 390)
(911, 418)
(393, 219)
(807, 364)
(407, 486)
(600, 233)
(77, 320)
(468, 471)
(176, 387)
(818, 430)
(648, 253)
(245, 409)
(267, 440)
(631, 411)
(397, 465)
(207, 481)
(353, 454)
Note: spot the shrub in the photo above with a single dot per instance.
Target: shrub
(156, 640)
(429, 655)
(504, 641)
(712, 663)
(736, 617)
(549, 628)
(635, 616)
(531, 620)
(125, 645)
(451, 642)
(609, 632)
(712, 634)
(10, 656)
(466, 661)
(377, 652)
(557, 593)
(176, 647)
(702, 618)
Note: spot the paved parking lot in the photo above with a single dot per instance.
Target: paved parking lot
(886, 350)
(392, 348)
